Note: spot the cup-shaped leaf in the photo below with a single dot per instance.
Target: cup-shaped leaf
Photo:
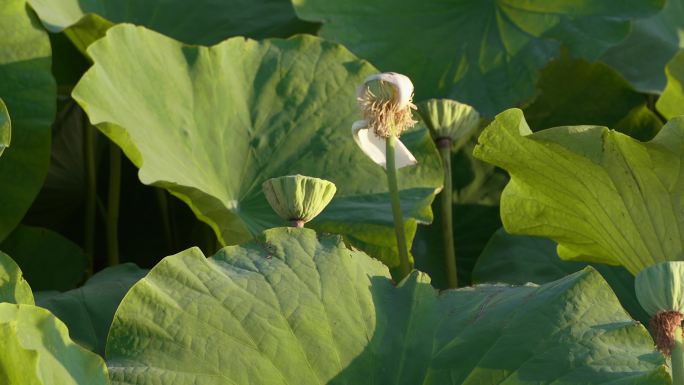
(600, 194)
(296, 307)
(448, 118)
(298, 197)
(279, 107)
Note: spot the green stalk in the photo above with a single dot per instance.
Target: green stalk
(90, 192)
(113, 202)
(444, 145)
(677, 358)
(166, 218)
(404, 264)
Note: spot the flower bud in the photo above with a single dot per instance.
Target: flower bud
(298, 198)
(448, 119)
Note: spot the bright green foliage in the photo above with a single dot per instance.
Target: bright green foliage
(603, 196)
(298, 197)
(518, 259)
(13, 286)
(597, 95)
(88, 311)
(212, 124)
(659, 287)
(28, 90)
(650, 45)
(671, 102)
(36, 350)
(5, 127)
(197, 22)
(295, 307)
(49, 261)
(483, 53)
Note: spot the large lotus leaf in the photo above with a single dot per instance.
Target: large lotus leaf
(650, 45)
(596, 95)
(603, 196)
(518, 259)
(88, 311)
(49, 261)
(28, 89)
(484, 53)
(13, 286)
(671, 102)
(295, 307)
(5, 127)
(198, 22)
(36, 350)
(212, 124)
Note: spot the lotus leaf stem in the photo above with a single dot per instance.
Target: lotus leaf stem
(113, 203)
(90, 192)
(444, 145)
(677, 358)
(404, 264)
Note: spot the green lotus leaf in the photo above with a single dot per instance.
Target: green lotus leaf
(518, 259)
(652, 42)
(13, 286)
(596, 95)
(483, 53)
(602, 196)
(212, 124)
(5, 127)
(36, 350)
(28, 89)
(49, 261)
(198, 22)
(670, 103)
(88, 311)
(296, 307)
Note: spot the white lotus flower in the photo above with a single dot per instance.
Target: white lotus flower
(386, 102)
(374, 146)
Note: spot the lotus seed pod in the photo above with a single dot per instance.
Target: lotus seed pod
(661, 287)
(298, 198)
(448, 119)
(660, 291)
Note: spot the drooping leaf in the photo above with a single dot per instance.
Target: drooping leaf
(5, 127)
(295, 307)
(652, 42)
(603, 196)
(597, 95)
(483, 53)
(198, 22)
(671, 102)
(13, 286)
(278, 107)
(36, 350)
(49, 261)
(28, 90)
(518, 259)
(88, 311)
